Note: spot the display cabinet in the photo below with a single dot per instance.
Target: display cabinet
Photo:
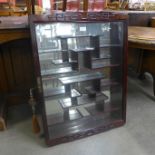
(80, 66)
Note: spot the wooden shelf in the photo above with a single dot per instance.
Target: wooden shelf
(98, 65)
(81, 78)
(45, 51)
(82, 100)
(94, 112)
(56, 71)
(61, 93)
(87, 123)
(56, 119)
(104, 84)
(87, 49)
(56, 76)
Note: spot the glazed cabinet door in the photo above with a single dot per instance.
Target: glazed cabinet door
(83, 79)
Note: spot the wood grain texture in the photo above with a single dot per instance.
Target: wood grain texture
(84, 134)
(146, 59)
(3, 79)
(7, 35)
(140, 33)
(17, 69)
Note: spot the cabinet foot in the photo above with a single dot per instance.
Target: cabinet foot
(2, 124)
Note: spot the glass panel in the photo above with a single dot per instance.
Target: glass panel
(81, 69)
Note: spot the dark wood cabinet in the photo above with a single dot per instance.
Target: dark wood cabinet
(16, 64)
(80, 67)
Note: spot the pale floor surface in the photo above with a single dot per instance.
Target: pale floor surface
(137, 137)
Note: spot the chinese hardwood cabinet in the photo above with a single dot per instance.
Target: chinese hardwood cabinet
(80, 68)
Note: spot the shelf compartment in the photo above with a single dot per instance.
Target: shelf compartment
(71, 114)
(108, 82)
(59, 118)
(87, 100)
(84, 99)
(105, 83)
(85, 124)
(71, 36)
(48, 65)
(68, 102)
(93, 94)
(97, 63)
(56, 71)
(107, 109)
(49, 56)
(81, 78)
(55, 119)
